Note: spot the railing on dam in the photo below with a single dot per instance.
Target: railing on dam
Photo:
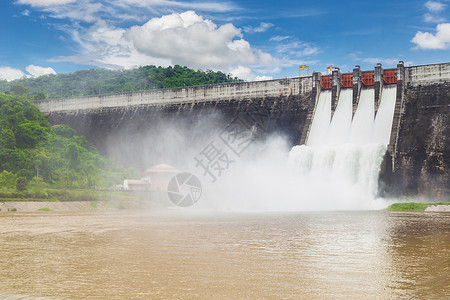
(240, 91)
(217, 92)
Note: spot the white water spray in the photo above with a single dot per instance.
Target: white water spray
(337, 170)
(346, 163)
(321, 121)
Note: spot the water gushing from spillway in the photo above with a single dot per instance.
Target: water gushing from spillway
(343, 155)
(338, 169)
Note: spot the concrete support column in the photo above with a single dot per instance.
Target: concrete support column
(356, 87)
(316, 77)
(316, 88)
(399, 105)
(335, 89)
(378, 77)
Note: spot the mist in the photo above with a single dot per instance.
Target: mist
(266, 176)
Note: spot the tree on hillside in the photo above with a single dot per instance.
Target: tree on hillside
(40, 96)
(19, 90)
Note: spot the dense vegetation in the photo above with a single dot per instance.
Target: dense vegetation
(35, 154)
(100, 81)
(413, 206)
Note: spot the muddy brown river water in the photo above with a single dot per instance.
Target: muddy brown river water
(189, 255)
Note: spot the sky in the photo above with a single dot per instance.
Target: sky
(253, 40)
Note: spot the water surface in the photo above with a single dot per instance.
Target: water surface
(185, 255)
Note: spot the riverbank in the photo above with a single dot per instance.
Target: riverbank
(420, 206)
(51, 206)
(32, 206)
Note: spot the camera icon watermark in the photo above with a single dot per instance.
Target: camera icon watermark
(184, 189)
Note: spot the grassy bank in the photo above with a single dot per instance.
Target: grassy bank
(51, 194)
(413, 206)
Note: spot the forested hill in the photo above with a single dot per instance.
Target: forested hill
(31, 147)
(100, 81)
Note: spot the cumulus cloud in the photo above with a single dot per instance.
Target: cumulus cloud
(45, 3)
(185, 39)
(435, 6)
(439, 40)
(7, 73)
(247, 74)
(188, 39)
(261, 28)
(36, 71)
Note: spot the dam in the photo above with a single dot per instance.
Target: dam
(416, 161)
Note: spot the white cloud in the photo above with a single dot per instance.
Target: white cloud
(263, 77)
(188, 39)
(261, 28)
(103, 45)
(92, 11)
(242, 73)
(279, 38)
(45, 3)
(439, 40)
(202, 6)
(433, 18)
(7, 73)
(26, 13)
(435, 6)
(36, 71)
(384, 61)
(297, 49)
(246, 73)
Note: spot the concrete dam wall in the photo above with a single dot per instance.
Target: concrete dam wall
(416, 163)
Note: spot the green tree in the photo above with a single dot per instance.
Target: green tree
(40, 96)
(21, 184)
(7, 139)
(19, 90)
(8, 180)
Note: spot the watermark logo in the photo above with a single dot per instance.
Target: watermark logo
(184, 189)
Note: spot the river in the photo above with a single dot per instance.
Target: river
(182, 254)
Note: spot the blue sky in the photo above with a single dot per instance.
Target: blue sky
(250, 39)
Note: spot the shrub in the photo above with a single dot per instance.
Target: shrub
(21, 184)
(44, 209)
(8, 180)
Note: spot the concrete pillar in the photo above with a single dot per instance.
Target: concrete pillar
(378, 77)
(316, 88)
(356, 87)
(316, 77)
(335, 89)
(399, 105)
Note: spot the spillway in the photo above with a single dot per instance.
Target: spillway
(321, 122)
(343, 155)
